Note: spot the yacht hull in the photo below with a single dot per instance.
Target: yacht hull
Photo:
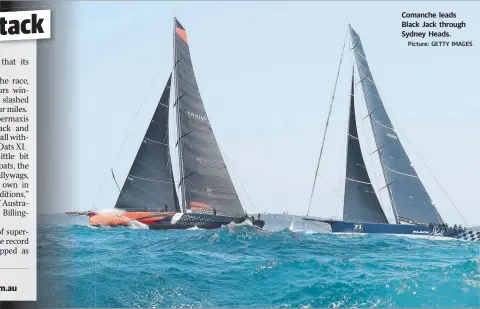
(408, 230)
(166, 220)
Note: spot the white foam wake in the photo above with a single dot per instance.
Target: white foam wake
(306, 231)
(195, 228)
(292, 227)
(136, 225)
(246, 222)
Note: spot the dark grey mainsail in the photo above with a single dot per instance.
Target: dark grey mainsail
(408, 196)
(149, 183)
(204, 178)
(360, 201)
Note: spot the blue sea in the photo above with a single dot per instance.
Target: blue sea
(239, 266)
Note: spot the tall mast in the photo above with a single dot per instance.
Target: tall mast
(377, 151)
(205, 179)
(178, 145)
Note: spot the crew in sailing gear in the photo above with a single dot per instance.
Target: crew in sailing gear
(258, 216)
(252, 219)
(214, 212)
(166, 207)
(455, 227)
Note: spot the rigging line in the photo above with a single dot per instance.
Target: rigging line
(126, 135)
(436, 180)
(345, 154)
(113, 175)
(333, 188)
(341, 171)
(312, 222)
(120, 195)
(347, 131)
(326, 125)
(239, 181)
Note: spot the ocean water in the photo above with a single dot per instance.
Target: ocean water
(239, 266)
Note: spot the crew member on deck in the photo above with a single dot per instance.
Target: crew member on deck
(166, 207)
(258, 216)
(214, 212)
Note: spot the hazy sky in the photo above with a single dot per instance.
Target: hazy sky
(266, 73)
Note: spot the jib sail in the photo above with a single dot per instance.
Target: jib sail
(360, 201)
(149, 183)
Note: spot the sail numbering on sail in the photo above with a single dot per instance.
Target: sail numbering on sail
(208, 198)
(414, 212)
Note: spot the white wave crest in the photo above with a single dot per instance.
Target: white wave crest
(195, 228)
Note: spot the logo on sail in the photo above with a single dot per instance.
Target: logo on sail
(392, 136)
(197, 117)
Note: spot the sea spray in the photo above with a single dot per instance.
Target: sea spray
(132, 223)
(195, 228)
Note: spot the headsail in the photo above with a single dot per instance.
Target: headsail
(360, 201)
(204, 177)
(150, 182)
(409, 198)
